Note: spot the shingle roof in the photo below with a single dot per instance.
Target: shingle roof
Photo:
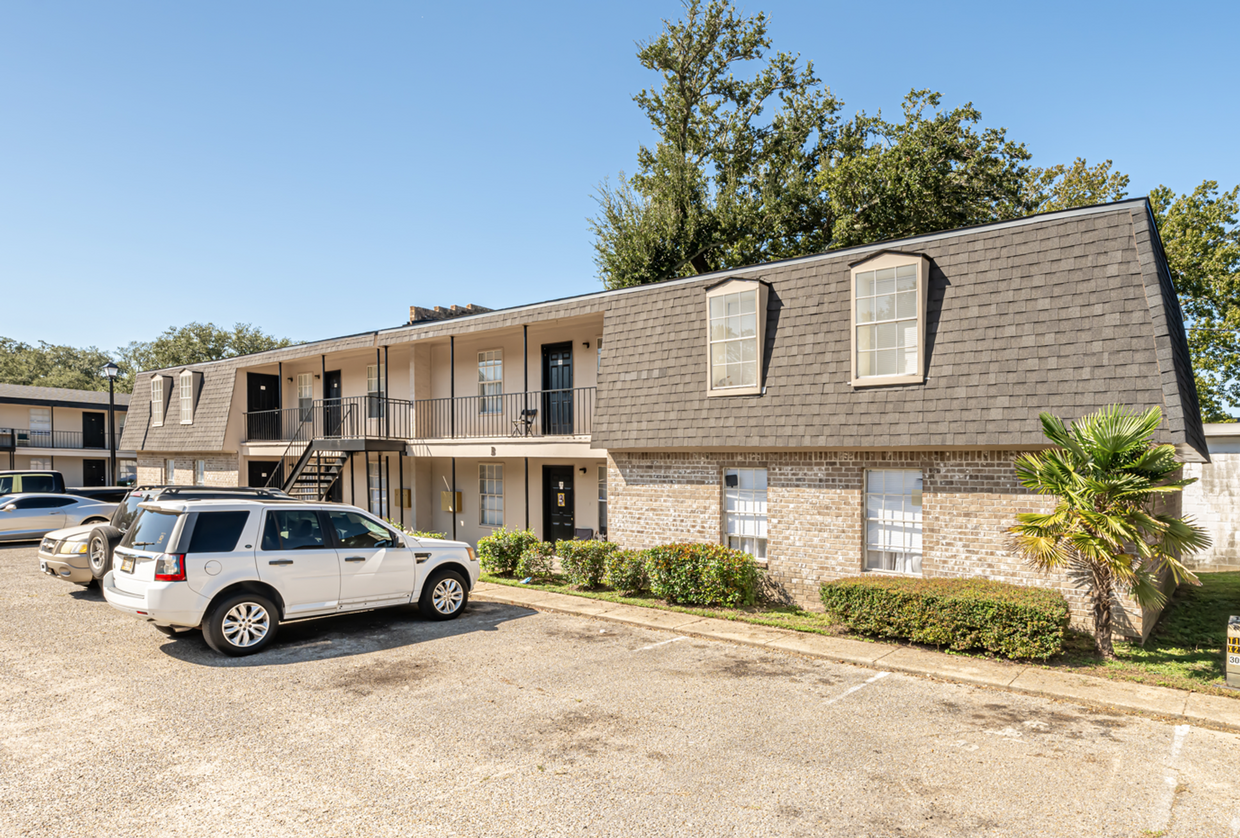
(1066, 313)
(24, 393)
(210, 415)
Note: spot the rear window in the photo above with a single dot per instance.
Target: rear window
(152, 531)
(128, 511)
(217, 532)
(38, 483)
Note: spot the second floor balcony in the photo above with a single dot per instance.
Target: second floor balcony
(537, 413)
(12, 439)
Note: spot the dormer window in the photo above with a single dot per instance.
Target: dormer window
(186, 392)
(889, 319)
(736, 331)
(157, 401)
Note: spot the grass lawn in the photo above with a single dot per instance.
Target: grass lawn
(1184, 651)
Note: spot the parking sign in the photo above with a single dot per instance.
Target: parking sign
(1233, 652)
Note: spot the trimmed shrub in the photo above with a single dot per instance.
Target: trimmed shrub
(584, 562)
(1008, 620)
(626, 571)
(538, 561)
(415, 533)
(702, 574)
(500, 551)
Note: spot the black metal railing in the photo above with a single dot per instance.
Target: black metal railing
(536, 413)
(352, 417)
(14, 438)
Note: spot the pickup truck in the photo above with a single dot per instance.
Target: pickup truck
(30, 481)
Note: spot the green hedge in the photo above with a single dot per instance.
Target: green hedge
(702, 574)
(501, 551)
(537, 561)
(626, 571)
(1008, 620)
(585, 562)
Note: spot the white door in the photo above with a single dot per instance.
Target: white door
(299, 561)
(376, 567)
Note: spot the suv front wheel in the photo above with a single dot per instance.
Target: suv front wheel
(241, 624)
(444, 596)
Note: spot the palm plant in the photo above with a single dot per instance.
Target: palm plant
(1106, 529)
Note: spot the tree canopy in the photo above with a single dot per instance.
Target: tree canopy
(48, 365)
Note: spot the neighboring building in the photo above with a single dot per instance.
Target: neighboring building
(1214, 500)
(62, 429)
(850, 412)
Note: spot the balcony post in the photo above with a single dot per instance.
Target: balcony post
(452, 405)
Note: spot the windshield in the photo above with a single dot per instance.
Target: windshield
(152, 531)
(127, 511)
(6, 485)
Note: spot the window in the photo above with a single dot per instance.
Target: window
(41, 503)
(744, 491)
(888, 319)
(187, 397)
(152, 531)
(378, 488)
(217, 532)
(293, 529)
(375, 390)
(39, 482)
(40, 432)
(490, 381)
(157, 401)
(491, 489)
(40, 464)
(170, 472)
(602, 500)
(127, 469)
(200, 472)
(893, 521)
(736, 311)
(357, 532)
(305, 394)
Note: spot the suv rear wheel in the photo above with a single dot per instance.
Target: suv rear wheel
(99, 550)
(241, 625)
(444, 596)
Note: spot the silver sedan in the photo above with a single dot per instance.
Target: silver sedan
(29, 516)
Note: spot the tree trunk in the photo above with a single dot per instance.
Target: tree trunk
(1103, 601)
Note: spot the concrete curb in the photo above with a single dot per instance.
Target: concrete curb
(1209, 710)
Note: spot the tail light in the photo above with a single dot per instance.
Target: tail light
(170, 567)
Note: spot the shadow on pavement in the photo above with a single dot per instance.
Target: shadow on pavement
(323, 638)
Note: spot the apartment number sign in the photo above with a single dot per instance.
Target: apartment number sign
(559, 498)
(1233, 652)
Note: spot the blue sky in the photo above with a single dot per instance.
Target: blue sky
(315, 168)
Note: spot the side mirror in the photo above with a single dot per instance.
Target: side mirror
(9, 508)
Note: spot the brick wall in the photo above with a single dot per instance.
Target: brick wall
(815, 514)
(1214, 502)
(221, 469)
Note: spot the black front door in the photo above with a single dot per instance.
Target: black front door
(331, 403)
(94, 472)
(262, 397)
(92, 432)
(557, 401)
(261, 472)
(557, 503)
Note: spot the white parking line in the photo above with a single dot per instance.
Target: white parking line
(1162, 810)
(656, 645)
(852, 690)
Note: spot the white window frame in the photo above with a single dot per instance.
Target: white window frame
(186, 393)
(893, 524)
(40, 419)
(866, 271)
(40, 463)
(491, 503)
(602, 499)
(718, 298)
(745, 510)
(200, 472)
(305, 394)
(378, 485)
(491, 381)
(170, 471)
(157, 401)
(376, 389)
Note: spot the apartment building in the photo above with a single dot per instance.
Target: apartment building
(850, 412)
(62, 429)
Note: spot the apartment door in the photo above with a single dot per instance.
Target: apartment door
(331, 403)
(261, 471)
(557, 384)
(94, 472)
(92, 432)
(557, 503)
(262, 398)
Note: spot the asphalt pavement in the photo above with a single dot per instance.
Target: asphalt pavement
(513, 722)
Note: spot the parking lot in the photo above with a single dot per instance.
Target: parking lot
(513, 722)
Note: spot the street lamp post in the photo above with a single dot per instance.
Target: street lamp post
(110, 370)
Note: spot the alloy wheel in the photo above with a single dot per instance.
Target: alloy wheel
(447, 595)
(98, 555)
(245, 624)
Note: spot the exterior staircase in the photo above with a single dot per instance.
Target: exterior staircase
(316, 471)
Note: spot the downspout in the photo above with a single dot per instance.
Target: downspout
(527, 493)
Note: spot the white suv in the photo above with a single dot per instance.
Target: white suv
(236, 568)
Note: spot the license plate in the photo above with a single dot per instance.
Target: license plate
(127, 564)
